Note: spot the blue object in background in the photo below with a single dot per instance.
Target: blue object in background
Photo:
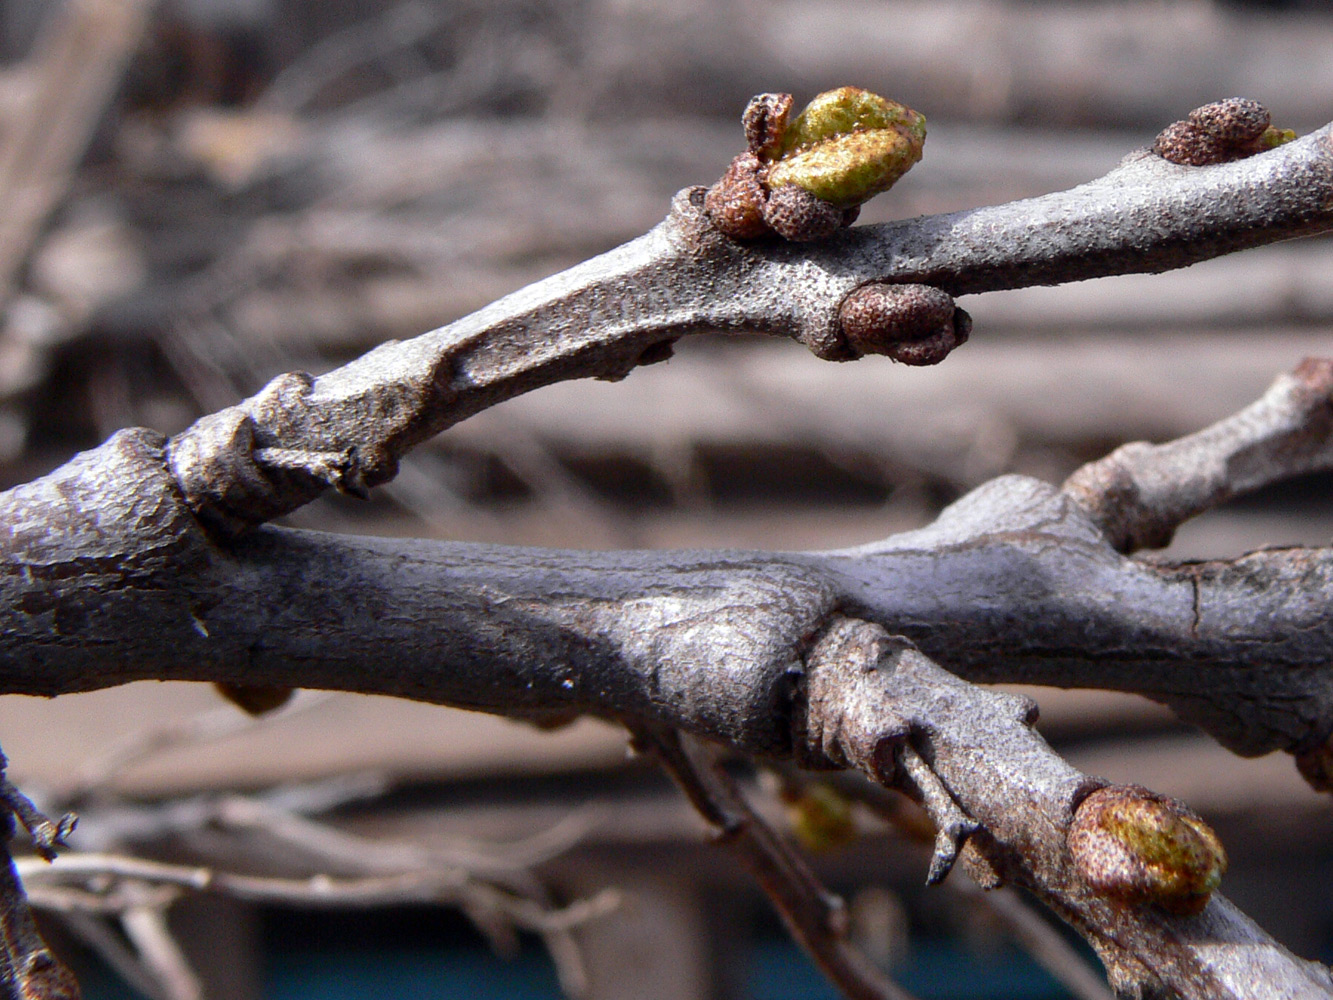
(442, 974)
(937, 970)
(934, 971)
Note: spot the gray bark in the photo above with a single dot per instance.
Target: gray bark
(146, 557)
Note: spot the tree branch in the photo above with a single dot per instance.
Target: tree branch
(139, 560)
(816, 918)
(870, 695)
(107, 578)
(347, 429)
(1140, 493)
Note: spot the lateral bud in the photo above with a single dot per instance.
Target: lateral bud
(1220, 132)
(1138, 847)
(913, 324)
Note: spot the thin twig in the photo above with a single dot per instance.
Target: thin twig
(335, 846)
(140, 745)
(47, 836)
(1140, 493)
(1039, 939)
(146, 927)
(93, 931)
(816, 919)
(364, 42)
(28, 969)
(622, 309)
(77, 61)
(317, 891)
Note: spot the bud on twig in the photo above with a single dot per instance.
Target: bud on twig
(1220, 132)
(914, 324)
(803, 178)
(1139, 847)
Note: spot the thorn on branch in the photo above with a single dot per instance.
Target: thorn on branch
(952, 825)
(28, 969)
(1220, 132)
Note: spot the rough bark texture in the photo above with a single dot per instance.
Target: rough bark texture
(146, 557)
(347, 429)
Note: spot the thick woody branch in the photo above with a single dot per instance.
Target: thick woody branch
(347, 429)
(107, 578)
(870, 696)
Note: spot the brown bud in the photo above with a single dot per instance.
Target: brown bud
(1316, 766)
(736, 202)
(765, 120)
(913, 324)
(1234, 121)
(1217, 133)
(795, 214)
(1138, 847)
(1187, 144)
(256, 699)
(935, 348)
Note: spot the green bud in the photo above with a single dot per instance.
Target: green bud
(821, 817)
(1274, 137)
(847, 146)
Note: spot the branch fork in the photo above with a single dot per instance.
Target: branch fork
(107, 576)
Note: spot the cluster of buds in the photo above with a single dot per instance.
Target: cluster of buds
(1219, 133)
(804, 177)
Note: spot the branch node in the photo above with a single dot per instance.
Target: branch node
(233, 482)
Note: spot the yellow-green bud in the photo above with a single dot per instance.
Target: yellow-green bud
(1274, 137)
(821, 817)
(1140, 847)
(806, 177)
(847, 146)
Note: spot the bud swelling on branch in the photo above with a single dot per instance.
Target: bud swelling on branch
(804, 177)
(1133, 845)
(1220, 132)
